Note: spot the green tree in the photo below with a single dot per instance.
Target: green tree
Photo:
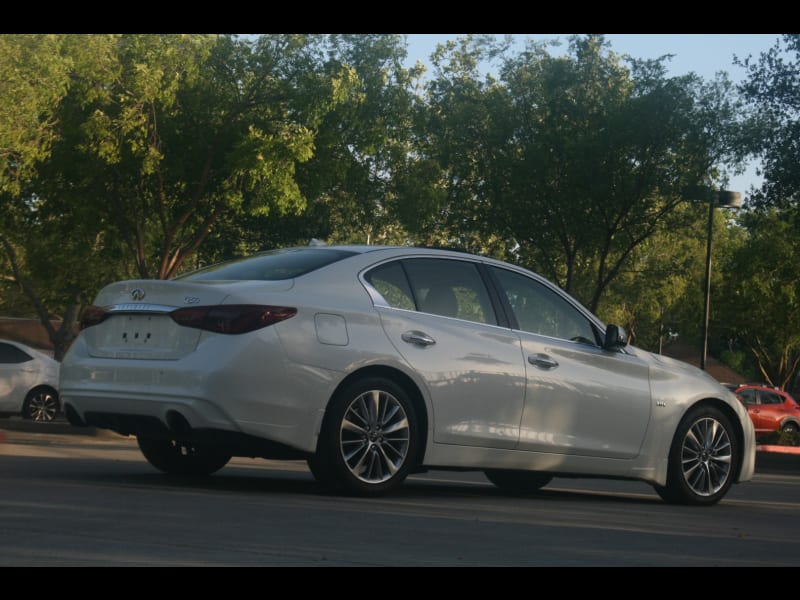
(759, 299)
(48, 247)
(607, 153)
(35, 79)
(571, 162)
(772, 89)
(660, 289)
(362, 142)
(197, 130)
(449, 184)
(158, 140)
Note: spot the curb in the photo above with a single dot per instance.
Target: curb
(778, 449)
(57, 427)
(777, 459)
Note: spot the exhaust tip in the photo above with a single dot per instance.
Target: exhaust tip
(73, 418)
(177, 422)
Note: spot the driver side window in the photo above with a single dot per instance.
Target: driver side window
(542, 311)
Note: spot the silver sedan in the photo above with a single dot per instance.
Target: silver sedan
(374, 362)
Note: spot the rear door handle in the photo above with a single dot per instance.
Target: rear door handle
(420, 338)
(542, 361)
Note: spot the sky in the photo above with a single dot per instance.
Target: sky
(703, 54)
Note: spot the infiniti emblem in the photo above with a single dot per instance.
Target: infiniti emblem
(137, 294)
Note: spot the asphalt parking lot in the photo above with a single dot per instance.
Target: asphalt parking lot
(67, 498)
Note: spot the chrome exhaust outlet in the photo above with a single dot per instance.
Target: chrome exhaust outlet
(73, 418)
(177, 423)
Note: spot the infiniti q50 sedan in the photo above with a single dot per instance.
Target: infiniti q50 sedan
(375, 362)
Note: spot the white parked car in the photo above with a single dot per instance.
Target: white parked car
(375, 362)
(28, 382)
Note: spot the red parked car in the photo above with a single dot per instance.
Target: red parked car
(770, 409)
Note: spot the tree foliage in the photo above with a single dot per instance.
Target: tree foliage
(759, 300)
(196, 130)
(573, 161)
(35, 79)
(772, 88)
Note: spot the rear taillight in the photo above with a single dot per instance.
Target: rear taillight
(93, 315)
(233, 318)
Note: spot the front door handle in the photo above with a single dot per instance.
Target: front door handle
(542, 361)
(420, 338)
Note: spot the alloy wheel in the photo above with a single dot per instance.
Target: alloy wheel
(42, 406)
(374, 436)
(706, 456)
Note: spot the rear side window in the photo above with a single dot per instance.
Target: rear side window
(12, 355)
(390, 281)
(270, 266)
(450, 288)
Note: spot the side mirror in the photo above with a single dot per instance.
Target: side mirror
(616, 338)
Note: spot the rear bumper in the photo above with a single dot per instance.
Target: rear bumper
(232, 442)
(130, 415)
(236, 384)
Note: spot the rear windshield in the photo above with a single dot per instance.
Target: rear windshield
(270, 266)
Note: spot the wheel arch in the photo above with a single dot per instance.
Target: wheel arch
(401, 379)
(790, 419)
(24, 410)
(42, 387)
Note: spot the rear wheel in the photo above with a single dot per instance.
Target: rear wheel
(41, 404)
(518, 482)
(703, 460)
(181, 458)
(790, 427)
(369, 440)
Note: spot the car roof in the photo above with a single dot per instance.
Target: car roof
(394, 251)
(361, 249)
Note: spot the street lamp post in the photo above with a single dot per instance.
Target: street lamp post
(721, 199)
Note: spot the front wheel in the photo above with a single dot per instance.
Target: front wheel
(790, 427)
(703, 459)
(369, 440)
(182, 458)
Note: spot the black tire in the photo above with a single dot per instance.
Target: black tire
(41, 404)
(703, 460)
(790, 427)
(321, 471)
(518, 482)
(180, 458)
(364, 455)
